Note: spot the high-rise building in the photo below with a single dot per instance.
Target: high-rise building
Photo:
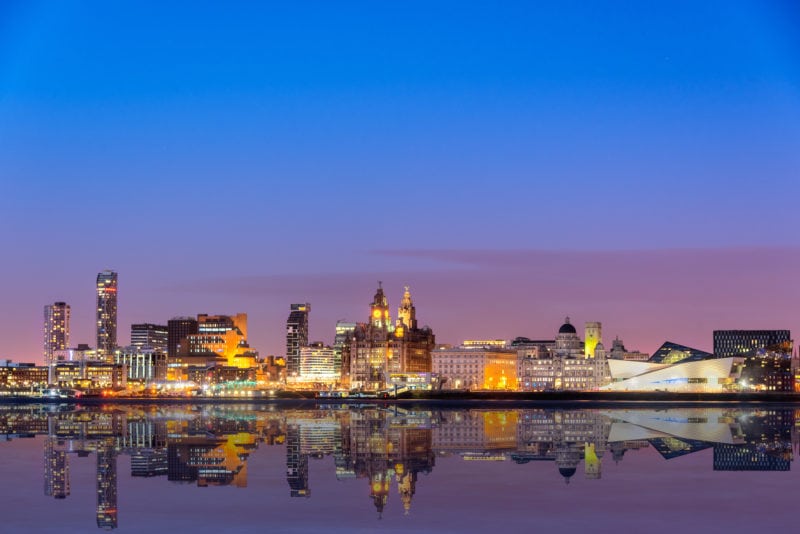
(107, 312)
(56, 329)
(106, 485)
(296, 336)
(56, 470)
(342, 345)
(178, 329)
(154, 336)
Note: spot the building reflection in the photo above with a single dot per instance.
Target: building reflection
(385, 448)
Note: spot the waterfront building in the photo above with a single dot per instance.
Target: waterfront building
(477, 367)
(386, 355)
(768, 362)
(143, 364)
(153, 336)
(493, 343)
(296, 337)
(19, 377)
(56, 329)
(342, 345)
(562, 365)
(732, 343)
(318, 364)
(178, 329)
(107, 313)
(224, 336)
(88, 375)
(685, 376)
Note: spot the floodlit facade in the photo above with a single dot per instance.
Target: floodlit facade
(705, 376)
(563, 365)
(318, 364)
(475, 368)
(385, 355)
(224, 336)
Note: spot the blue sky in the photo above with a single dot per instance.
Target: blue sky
(193, 142)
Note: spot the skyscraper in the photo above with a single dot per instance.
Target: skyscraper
(154, 336)
(106, 485)
(56, 470)
(296, 336)
(107, 312)
(56, 329)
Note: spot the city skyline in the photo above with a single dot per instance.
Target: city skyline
(627, 165)
(693, 328)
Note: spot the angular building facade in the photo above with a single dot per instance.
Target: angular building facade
(702, 376)
(56, 329)
(107, 312)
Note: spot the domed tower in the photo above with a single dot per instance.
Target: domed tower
(567, 340)
(379, 309)
(568, 456)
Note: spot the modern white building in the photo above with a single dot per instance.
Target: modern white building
(705, 376)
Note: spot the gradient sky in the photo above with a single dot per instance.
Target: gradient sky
(628, 163)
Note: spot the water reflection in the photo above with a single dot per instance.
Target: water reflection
(384, 447)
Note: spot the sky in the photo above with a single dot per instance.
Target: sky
(513, 164)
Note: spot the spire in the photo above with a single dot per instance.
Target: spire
(407, 313)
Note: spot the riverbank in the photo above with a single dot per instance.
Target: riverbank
(445, 398)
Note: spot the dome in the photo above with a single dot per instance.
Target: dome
(566, 472)
(567, 328)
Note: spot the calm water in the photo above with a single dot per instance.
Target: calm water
(373, 469)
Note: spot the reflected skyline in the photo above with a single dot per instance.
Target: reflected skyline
(388, 450)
